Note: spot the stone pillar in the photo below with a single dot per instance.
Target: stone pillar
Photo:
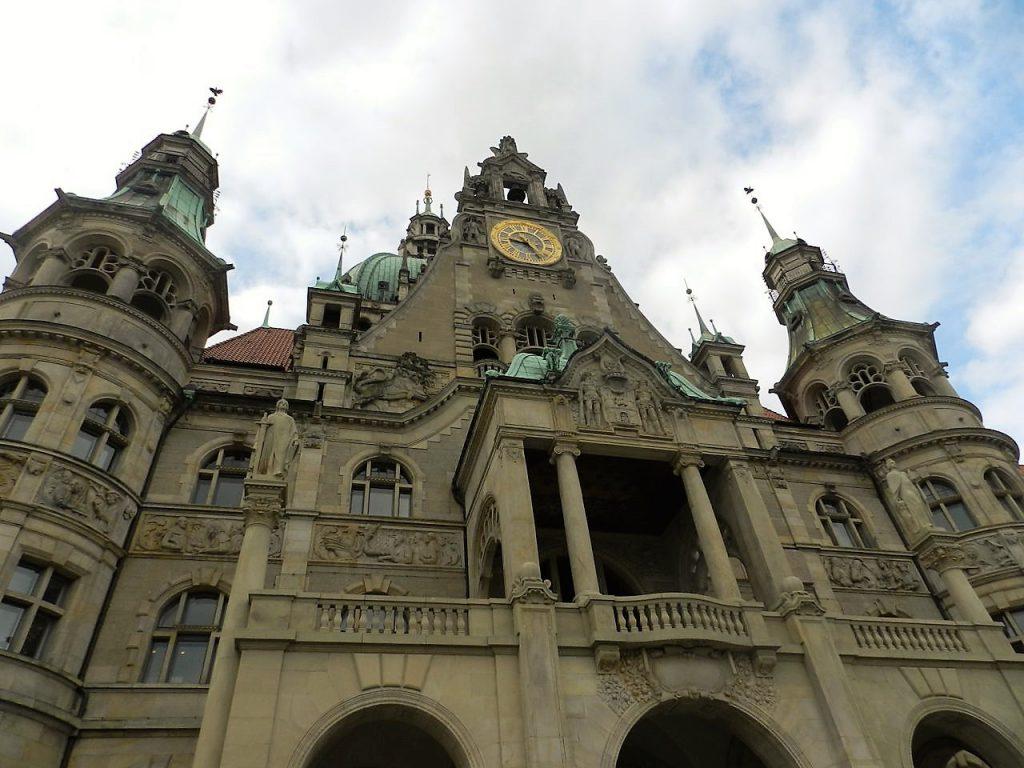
(848, 402)
(712, 546)
(302, 512)
(515, 515)
(53, 268)
(898, 380)
(126, 280)
(715, 365)
(182, 316)
(574, 514)
(507, 345)
(263, 501)
(940, 380)
(943, 554)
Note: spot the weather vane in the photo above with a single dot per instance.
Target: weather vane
(210, 102)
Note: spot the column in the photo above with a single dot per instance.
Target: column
(263, 501)
(940, 380)
(126, 280)
(902, 389)
(507, 345)
(939, 553)
(181, 318)
(574, 514)
(515, 515)
(723, 581)
(53, 268)
(848, 402)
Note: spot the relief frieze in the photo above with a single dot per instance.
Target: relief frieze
(877, 573)
(193, 535)
(996, 550)
(97, 505)
(394, 545)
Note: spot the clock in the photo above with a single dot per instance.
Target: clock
(526, 242)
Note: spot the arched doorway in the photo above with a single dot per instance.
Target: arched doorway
(388, 736)
(706, 734)
(957, 740)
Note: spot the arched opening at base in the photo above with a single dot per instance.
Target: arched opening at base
(388, 735)
(956, 740)
(700, 735)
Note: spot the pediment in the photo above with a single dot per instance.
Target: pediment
(513, 163)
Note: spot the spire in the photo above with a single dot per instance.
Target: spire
(779, 244)
(768, 224)
(341, 254)
(704, 332)
(266, 316)
(210, 102)
(428, 198)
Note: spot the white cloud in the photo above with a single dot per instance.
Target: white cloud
(855, 125)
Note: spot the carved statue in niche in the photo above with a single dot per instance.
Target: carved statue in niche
(410, 380)
(591, 408)
(277, 442)
(648, 408)
(472, 229)
(556, 198)
(907, 499)
(507, 146)
(575, 248)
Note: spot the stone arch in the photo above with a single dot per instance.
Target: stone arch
(408, 706)
(777, 749)
(146, 613)
(30, 261)
(484, 543)
(995, 743)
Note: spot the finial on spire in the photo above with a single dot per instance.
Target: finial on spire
(771, 230)
(210, 102)
(266, 316)
(693, 300)
(428, 198)
(341, 254)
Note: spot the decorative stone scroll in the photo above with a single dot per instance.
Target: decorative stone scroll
(375, 543)
(187, 535)
(97, 505)
(875, 573)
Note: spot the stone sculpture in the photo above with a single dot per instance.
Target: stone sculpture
(410, 381)
(910, 505)
(277, 443)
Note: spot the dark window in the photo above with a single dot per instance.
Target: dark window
(381, 487)
(222, 477)
(948, 509)
(32, 604)
(1013, 625)
(842, 523)
(332, 316)
(1007, 493)
(103, 435)
(20, 398)
(185, 639)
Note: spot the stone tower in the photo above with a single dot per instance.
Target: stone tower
(107, 312)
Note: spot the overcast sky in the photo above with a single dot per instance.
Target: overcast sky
(888, 134)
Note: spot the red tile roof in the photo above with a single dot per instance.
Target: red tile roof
(258, 348)
(775, 416)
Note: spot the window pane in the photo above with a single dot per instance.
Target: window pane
(828, 507)
(961, 519)
(170, 615)
(213, 658)
(17, 426)
(155, 661)
(56, 589)
(25, 578)
(34, 391)
(228, 492)
(200, 610)
(361, 474)
(236, 459)
(356, 503)
(99, 412)
(381, 500)
(383, 470)
(83, 446)
(842, 534)
(404, 503)
(1016, 616)
(187, 659)
(939, 519)
(121, 423)
(35, 638)
(106, 456)
(8, 387)
(10, 618)
(202, 491)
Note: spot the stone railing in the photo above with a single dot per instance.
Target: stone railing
(913, 638)
(407, 618)
(886, 635)
(667, 617)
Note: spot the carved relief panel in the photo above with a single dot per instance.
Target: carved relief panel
(196, 535)
(97, 505)
(873, 573)
(616, 392)
(376, 543)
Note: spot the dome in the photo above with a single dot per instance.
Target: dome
(376, 277)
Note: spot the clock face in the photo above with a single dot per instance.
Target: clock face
(526, 242)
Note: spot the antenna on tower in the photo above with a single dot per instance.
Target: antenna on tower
(341, 253)
(428, 197)
(210, 102)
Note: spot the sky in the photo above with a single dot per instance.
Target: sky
(889, 134)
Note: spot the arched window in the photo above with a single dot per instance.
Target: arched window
(222, 477)
(156, 294)
(533, 334)
(486, 334)
(1007, 492)
(842, 523)
(823, 401)
(948, 509)
(585, 338)
(94, 268)
(185, 639)
(381, 487)
(1013, 625)
(103, 435)
(33, 602)
(869, 384)
(915, 372)
(20, 398)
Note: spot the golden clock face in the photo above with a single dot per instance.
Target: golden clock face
(526, 242)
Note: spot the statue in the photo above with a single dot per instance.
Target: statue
(591, 407)
(409, 381)
(910, 504)
(277, 444)
(648, 408)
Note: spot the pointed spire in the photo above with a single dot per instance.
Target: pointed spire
(341, 254)
(428, 198)
(700, 320)
(768, 224)
(266, 316)
(210, 102)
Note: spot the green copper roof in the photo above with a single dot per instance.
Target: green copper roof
(820, 310)
(376, 277)
(179, 203)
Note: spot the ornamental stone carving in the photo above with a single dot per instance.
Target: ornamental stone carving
(473, 230)
(796, 599)
(1000, 549)
(626, 682)
(276, 443)
(185, 535)
(409, 382)
(907, 501)
(96, 504)
(890, 574)
(10, 470)
(532, 589)
(942, 556)
(379, 544)
(612, 394)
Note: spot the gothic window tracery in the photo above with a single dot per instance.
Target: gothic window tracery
(20, 398)
(868, 382)
(156, 294)
(381, 487)
(93, 268)
(185, 639)
(486, 336)
(825, 404)
(103, 435)
(917, 375)
(1007, 493)
(222, 477)
(533, 334)
(33, 603)
(947, 506)
(842, 523)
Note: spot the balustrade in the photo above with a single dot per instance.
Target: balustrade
(370, 617)
(678, 613)
(905, 636)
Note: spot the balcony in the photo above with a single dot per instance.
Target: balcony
(920, 639)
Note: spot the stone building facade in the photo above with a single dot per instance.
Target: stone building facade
(478, 512)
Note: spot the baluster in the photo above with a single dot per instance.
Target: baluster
(928, 637)
(874, 640)
(647, 617)
(428, 620)
(941, 640)
(325, 617)
(627, 618)
(858, 635)
(462, 621)
(362, 619)
(675, 615)
(659, 610)
(689, 615)
(415, 621)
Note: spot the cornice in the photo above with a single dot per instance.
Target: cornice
(910, 403)
(940, 437)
